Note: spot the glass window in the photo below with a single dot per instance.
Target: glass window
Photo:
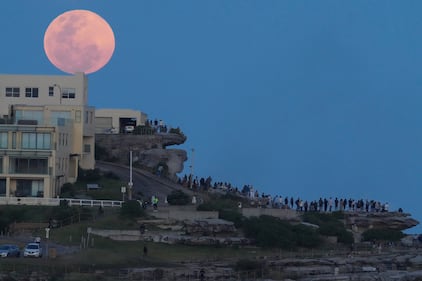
(14, 140)
(50, 91)
(2, 187)
(28, 166)
(59, 117)
(29, 188)
(31, 92)
(36, 141)
(12, 92)
(29, 115)
(3, 140)
(87, 148)
(68, 93)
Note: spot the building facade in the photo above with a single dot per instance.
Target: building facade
(47, 131)
(114, 121)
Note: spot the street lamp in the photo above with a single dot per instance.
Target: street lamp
(60, 91)
(130, 184)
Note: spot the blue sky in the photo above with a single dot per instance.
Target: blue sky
(297, 98)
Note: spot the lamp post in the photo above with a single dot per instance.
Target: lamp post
(130, 184)
(47, 237)
(60, 91)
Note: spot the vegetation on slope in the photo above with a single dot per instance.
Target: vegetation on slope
(330, 224)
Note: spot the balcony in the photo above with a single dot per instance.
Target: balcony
(28, 166)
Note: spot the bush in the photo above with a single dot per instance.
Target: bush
(270, 232)
(68, 190)
(89, 175)
(131, 209)
(233, 216)
(178, 197)
(330, 225)
(382, 234)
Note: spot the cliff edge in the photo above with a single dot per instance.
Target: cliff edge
(149, 152)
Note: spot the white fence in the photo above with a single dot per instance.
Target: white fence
(37, 201)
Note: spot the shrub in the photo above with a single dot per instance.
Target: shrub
(178, 197)
(233, 216)
(68, 190)
(330, 225)
(131, 209)
(89, 175)
(272, 232)
(382, 234)
(306, 236)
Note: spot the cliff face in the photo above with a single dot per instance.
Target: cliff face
(392, 220)
(148, 151)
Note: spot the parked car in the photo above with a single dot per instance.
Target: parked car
(9, 251)
(129, 129)
(33, 250)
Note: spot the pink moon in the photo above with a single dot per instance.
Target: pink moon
(79, 41)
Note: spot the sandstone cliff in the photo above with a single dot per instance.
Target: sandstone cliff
(148, 151)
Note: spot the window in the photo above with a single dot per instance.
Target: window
(28, 166)
(3, 140)
(50, 91)
(1, 165)
(31, 92)
(36, 141)
(13, 92)
(29, 115)
(29, 188)
(60, 118)
(87, 148)
(68, 93)
(14, 140)
(2, 187)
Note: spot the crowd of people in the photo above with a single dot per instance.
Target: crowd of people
(158, 125)
(262, 200)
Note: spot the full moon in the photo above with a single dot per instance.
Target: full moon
(79, 41)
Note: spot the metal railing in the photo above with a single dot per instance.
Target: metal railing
(33, 201)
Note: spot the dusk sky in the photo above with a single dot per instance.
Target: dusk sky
(297, 98)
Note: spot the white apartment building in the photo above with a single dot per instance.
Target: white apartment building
(47, 130)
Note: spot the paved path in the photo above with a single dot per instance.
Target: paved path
(144, 182)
